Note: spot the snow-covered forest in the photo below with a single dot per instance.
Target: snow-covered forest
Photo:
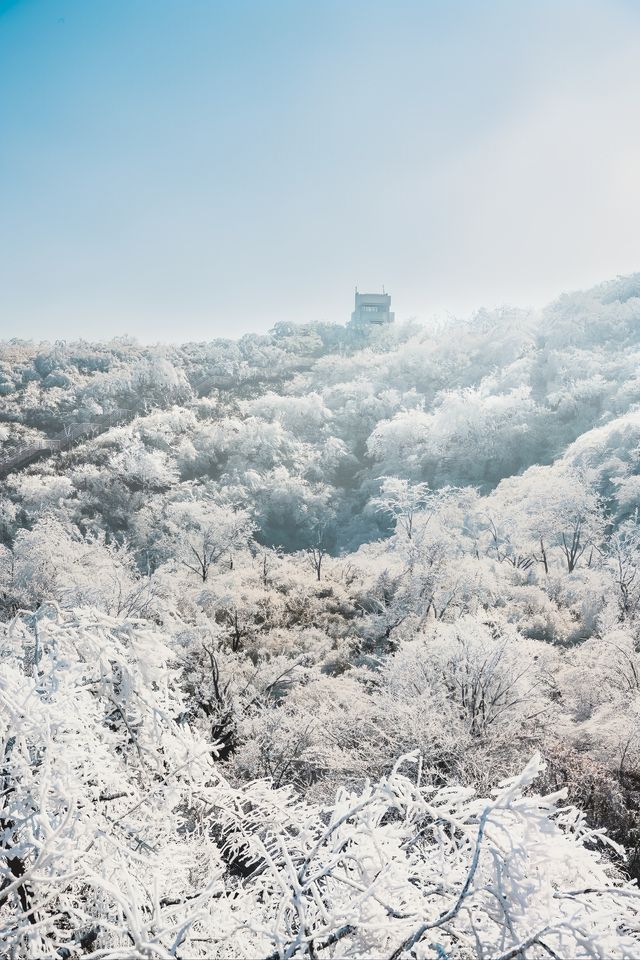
(316, 644)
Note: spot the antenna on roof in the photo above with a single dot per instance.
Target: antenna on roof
(383, 289)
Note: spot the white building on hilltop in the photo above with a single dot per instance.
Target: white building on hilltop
(372, 309)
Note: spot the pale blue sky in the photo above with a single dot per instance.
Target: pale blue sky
(184, 169)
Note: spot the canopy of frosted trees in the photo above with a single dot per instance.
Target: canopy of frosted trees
(324, 647)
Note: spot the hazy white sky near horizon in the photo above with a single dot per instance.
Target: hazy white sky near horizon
(185, 170)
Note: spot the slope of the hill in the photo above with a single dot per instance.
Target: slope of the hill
(294, 560)
(301, 424)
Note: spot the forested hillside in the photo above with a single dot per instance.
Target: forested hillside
(322, 644)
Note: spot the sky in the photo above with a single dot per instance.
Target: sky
(186, 169)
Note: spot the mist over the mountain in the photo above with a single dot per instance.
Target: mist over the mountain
(325, 642)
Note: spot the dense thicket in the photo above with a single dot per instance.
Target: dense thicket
(289, 607)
